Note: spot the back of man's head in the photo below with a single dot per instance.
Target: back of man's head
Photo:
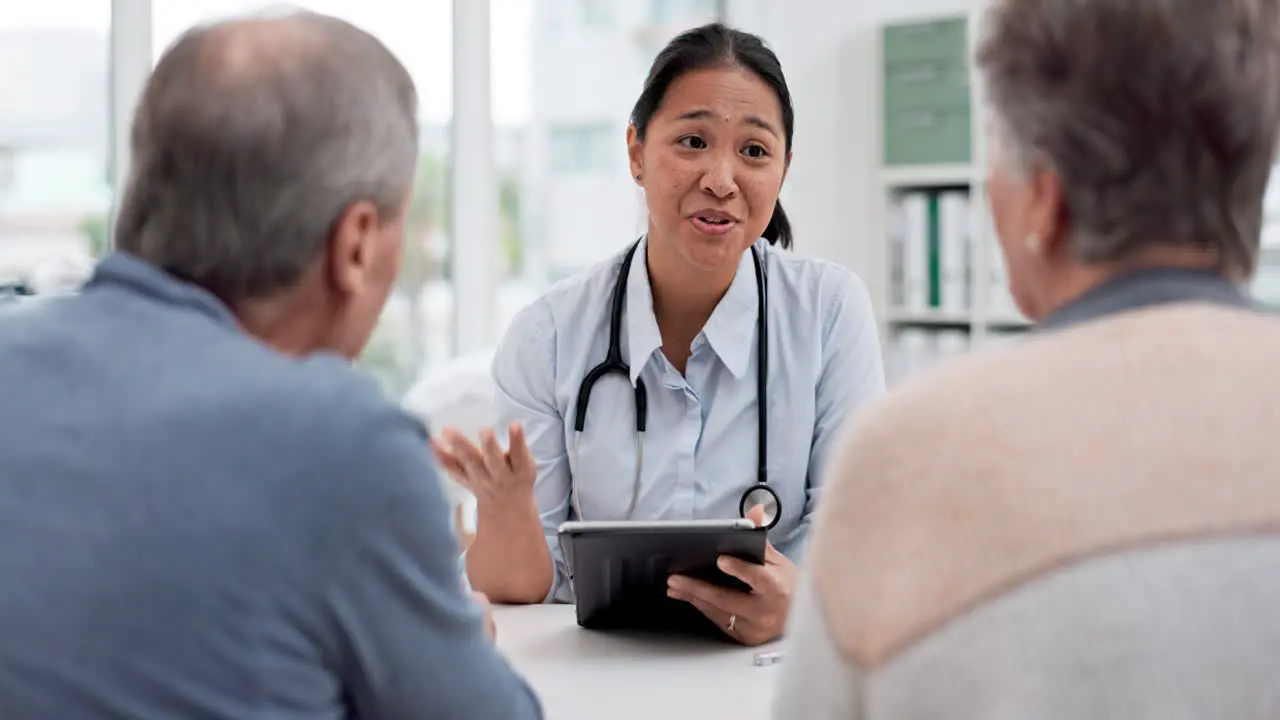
(266, 148)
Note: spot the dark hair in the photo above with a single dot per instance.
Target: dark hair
(710, 46)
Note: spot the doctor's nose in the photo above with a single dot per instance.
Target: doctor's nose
(719, 179)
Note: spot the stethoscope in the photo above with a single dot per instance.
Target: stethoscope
(758, 494)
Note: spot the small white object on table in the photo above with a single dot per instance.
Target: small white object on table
(590, 675)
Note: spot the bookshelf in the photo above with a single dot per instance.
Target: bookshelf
(940, 273)
(930, 142)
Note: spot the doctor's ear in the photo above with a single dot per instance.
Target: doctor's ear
(635, 150)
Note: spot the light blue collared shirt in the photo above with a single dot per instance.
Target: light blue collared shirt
(699, 452)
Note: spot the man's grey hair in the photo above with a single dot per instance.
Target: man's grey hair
(1159, 116)
(251, 139)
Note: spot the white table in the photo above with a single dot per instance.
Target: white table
(588, 675)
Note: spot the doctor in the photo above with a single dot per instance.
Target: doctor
(730, 393)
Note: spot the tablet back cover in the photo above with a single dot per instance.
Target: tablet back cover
(620, 579)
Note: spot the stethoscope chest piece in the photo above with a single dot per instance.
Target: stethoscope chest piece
(764, 496)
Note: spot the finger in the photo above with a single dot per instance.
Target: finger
(518, 450)
(756, 515)
(447, 460)
(744, 629)
(716, 615)
(495, 461)
(490, 627)
(729, 601)
(773, 557)
(757, 576)
(441, 451)
(468, 455)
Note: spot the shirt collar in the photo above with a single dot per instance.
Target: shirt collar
(126, 272)
(1144, 288)
(730, 330)
(643, 336)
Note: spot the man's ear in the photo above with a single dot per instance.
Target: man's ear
(351, 247)
(635, 149)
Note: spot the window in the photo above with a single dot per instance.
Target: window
(562, 98)
(581, 148)
(682, 12)
(8, 170)
(416, 329)
(55, 194)
(597, 13)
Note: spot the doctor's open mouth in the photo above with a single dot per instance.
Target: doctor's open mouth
(712, 222)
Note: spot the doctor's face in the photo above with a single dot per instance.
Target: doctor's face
(711, 163)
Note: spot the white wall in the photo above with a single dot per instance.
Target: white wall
(828, 50)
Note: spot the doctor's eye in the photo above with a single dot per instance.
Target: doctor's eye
(693, 142)
(755, 152)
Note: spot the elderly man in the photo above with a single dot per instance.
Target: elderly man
(205, 511)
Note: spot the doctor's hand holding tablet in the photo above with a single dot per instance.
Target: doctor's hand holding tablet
(504, 479)
(698, 375)
(752, 618)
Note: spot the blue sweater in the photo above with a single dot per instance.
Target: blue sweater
(194, 526)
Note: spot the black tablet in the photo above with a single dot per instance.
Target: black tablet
(619, 569)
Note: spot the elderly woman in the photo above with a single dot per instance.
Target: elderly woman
(1087, 524)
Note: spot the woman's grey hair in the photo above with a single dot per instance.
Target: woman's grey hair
(1159, 116)
(251, 139)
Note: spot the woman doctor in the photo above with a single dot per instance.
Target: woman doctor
(709, 143)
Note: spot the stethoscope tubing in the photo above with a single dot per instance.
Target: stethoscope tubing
(613, 364)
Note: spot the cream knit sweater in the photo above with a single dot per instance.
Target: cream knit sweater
(1085, 525)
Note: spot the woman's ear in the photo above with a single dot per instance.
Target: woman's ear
(635, 150)
(1047, 211)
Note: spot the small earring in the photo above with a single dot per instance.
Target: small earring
(637, 177)
(1033, 243)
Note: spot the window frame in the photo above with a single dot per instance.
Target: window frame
(581, 148)
(472, 192)
(474, 264)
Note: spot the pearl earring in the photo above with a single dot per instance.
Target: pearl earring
(1033, 243)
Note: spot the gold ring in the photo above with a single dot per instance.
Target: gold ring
(733, 620)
